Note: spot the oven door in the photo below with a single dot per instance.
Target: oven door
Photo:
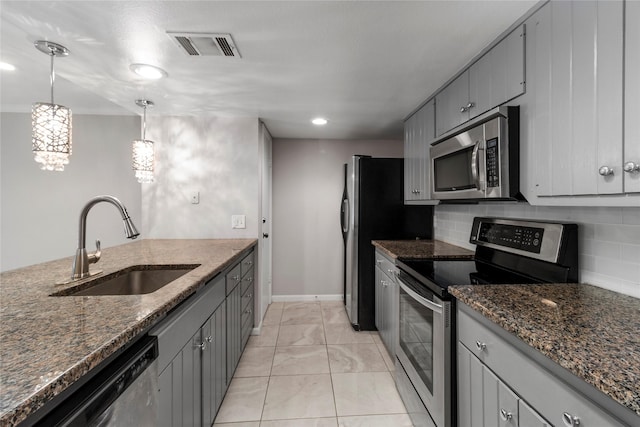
(425, 347)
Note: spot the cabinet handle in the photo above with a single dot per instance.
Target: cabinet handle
(569, 420)
(248, 311)
(249, 279)
(605, 171)
(249, 263)
(202, 346)
(506, 416)
(378, 262)
(384, 283)
(631, 167)
(236, 277)
(467, 107)
(209, 339)
(249, 296)
(481, 346)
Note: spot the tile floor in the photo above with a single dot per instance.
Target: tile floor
(308, 368)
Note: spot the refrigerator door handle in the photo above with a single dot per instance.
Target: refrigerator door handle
(344, 217)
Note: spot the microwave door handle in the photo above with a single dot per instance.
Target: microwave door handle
(422, 300)
(475, 173)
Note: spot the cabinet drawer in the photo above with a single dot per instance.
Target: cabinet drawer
(247, 296)
(246, 332)
(247, 315)
(233, 278)
(545, 392)
(247, 263)
(387, 266)
(247, 281)
(186, 319)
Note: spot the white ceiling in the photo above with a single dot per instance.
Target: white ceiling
(364, 65)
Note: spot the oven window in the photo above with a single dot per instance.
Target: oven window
(416, 336)
(453, 171)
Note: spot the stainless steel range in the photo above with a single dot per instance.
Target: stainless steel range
(508, 251)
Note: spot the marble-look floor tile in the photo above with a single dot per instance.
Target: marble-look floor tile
(334, 314)
(395, 420)
(366, 393)
(246, 424)
(301, 359)
(302, 422)
(344, 334)
(277, 305)
(301, 314)
(355, 358)
(376, 337)
(255, 362)
(267, 338)
(299, 396)
(244, 400)
(272, 316)
(339, 303)
(389, 360)
(301, 335)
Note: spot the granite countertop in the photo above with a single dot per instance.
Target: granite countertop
(592, 332)
(422, 249)
(48, 343)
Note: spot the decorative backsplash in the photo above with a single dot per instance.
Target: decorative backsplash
(609, 238)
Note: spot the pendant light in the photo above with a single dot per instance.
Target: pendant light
(50, 122)
(143, 156)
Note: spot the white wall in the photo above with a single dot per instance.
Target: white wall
(307, 189)
(215, 156)
(40, 209)
(608, 238)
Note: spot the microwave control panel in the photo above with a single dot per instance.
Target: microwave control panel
(493, 168)
(512, 236)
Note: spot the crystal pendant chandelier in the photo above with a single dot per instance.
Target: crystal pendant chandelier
(143, 155)
(50, 122)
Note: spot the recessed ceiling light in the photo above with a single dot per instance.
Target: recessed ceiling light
(5, 66)
(148, 71)
(319, 121)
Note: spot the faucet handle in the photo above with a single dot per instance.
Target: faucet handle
(95, 257)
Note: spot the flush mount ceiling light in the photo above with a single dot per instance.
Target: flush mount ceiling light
(147, 71)
(50, 122)
(319, 121)
(142, 154)
(5, 66)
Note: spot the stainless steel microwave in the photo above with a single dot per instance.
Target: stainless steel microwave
(479, 162)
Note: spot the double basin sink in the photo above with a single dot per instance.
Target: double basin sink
(135, 280)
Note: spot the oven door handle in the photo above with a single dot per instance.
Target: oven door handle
(422, 300)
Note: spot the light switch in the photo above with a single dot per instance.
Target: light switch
(238, 221)
(195, 197)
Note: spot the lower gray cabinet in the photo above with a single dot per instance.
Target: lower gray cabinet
(386, 302)
(234, 331)
(214, 374)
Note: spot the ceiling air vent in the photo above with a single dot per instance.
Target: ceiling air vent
(206, 44)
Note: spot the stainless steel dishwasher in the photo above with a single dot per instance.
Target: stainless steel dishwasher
(124, 393)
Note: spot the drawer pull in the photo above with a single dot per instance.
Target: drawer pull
(378, 262)
(569, 420)
(236, 277)
(202, 346)
(506, 416)
(249, 279)
(248, 311)
(249, 296)
(480, 346)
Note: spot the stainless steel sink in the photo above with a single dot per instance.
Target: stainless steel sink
(136, 280)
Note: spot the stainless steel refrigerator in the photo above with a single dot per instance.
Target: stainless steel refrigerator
(373, 208)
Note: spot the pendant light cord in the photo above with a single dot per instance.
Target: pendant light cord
(53, 74)
(144, 122)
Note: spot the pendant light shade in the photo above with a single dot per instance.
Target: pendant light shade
(142, 149)
(50, 122)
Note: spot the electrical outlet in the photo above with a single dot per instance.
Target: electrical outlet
(195, 197)
(238, 221)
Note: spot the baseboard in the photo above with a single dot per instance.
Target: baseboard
(257, 329)
(292, 298)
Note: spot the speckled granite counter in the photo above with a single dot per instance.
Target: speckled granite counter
(421, 249)
(47, 343)
(592, 332)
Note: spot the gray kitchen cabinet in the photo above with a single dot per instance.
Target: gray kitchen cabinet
(239, 311)
(386, 302)
(580, 131)
(419, 131)
(495, 367)
(495, 78)
(214, 373)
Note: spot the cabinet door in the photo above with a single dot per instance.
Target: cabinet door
(234, 330)
(498, 76)
(451, 104)
(379, 303)
(179, 387)
(577, 100)
(427, 133)
(471, 390)
(632, 95)
(411, 158)
(213, 364)
(393, 316)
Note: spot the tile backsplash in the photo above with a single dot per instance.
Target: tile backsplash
(609, 238)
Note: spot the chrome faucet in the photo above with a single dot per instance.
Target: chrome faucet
(83, 260)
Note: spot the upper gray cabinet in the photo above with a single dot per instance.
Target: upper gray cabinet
(492, 80)
(419, 130)
(583, 128)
